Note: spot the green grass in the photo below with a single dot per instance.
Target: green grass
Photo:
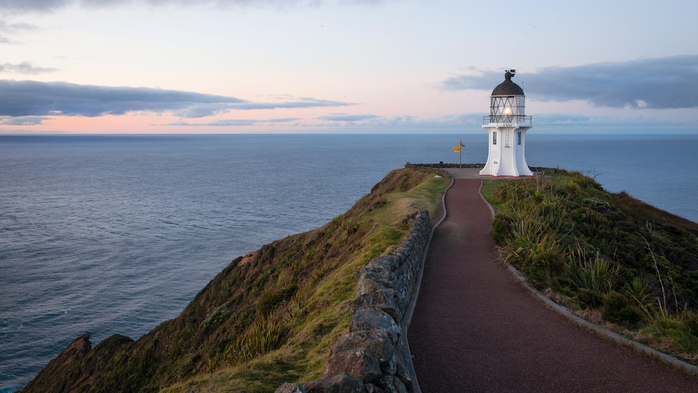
(488, 188)
(397, 205)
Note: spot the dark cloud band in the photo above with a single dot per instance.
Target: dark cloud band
(22, 121)
(31, 98)
(663, 83)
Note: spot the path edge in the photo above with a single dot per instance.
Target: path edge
(598, 330)
(407, 318)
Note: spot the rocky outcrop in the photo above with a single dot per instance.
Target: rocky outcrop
(372, 357)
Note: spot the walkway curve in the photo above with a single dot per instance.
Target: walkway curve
(476, 329)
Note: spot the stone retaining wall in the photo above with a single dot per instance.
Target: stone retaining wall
(371, 357)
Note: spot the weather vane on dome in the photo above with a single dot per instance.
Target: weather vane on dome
(508, 74)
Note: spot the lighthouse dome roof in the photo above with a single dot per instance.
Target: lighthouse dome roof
(508, 88)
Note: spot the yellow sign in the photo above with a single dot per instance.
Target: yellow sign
(456, 149)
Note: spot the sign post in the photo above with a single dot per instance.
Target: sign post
(457, 149)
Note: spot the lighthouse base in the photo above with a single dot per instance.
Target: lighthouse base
(506, 156)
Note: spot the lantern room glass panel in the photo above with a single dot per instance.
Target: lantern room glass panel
(507, 109)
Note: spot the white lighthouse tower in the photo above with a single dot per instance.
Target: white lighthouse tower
(507, 125)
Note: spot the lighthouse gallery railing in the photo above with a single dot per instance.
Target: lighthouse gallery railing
(507, 120)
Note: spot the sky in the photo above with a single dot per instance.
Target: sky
(344, 66)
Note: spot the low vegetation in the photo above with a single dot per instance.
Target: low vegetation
(269, 317)
(612, 258)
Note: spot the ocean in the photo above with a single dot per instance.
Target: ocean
(115, 234)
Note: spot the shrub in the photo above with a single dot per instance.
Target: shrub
(589, 299)
(271, 299)
(538, 255)
(617, 309)
(265, 335)
(641, 293)
(596, 274)
(500, 229)
(570, 188)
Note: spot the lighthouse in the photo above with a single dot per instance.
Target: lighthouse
(507, 125)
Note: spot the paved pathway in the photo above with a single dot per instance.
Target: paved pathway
(476, 329)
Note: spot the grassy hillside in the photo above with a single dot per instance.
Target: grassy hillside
(269, 317)
(614, 259)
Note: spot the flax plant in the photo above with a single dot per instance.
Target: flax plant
(593, 273)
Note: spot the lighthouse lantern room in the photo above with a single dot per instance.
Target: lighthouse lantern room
(507, 125)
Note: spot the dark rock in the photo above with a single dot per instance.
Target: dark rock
(391, 261)
(290, 388)
(377, 341)
(366, 285)
(392, 385)
(371, 388)
(360, 363)
(377, 274)
(409, 218)
(373, 320)
(334, 384)
(401, 372)
(399, 386)
(386, 383)
(381, 300)
(389, 367)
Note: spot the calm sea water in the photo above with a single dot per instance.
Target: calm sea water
(114, 234)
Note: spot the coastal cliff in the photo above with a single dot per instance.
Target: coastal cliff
(269, 317)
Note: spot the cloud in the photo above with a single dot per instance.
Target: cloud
(661, 83)
(303, 103)
(18, 27)
(31, 98)
(13, 28)
(22, 121)
(344, 117)
(232, 122)
(23, 6)
(203, 110)
(24, 68)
